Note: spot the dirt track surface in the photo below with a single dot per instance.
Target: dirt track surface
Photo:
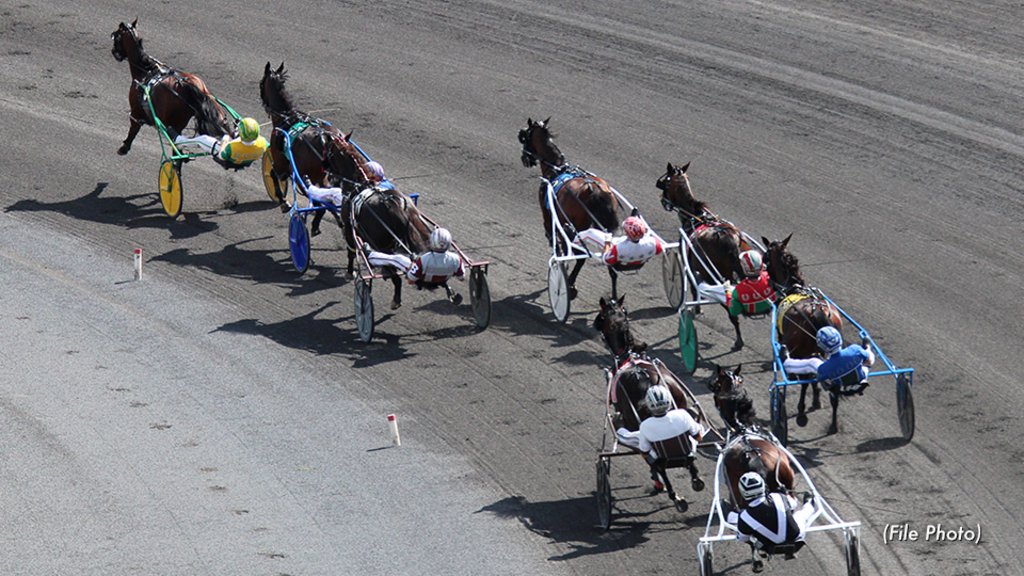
(885, 137)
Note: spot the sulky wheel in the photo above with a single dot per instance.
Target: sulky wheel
(706, 558)
(852, 553)
(688, 340)
(604, 492)
(480, 296)
(273, 184)
(558, 290)
(905, 406)
(170, 187)
(298, 242)
(780, 422)
(364, 310)
(672, 277)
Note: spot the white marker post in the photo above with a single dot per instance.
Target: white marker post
(396, 440)
(138, 263)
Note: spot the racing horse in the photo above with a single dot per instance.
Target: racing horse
(385, 218)
(582, 200)
(634, 374)
(801, 313)
(747, 449)
(715, 242)
(174, 97)
(315, 143)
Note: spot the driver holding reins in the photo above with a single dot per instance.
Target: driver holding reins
(432, 268)
(632, 250)
(769, 520)
(238, 152)
(838, 363)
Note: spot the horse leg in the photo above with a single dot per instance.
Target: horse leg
(572, 278)
(314, 228)
(816, 398)
(133, 131)
(736, 326)
(396, 279)
(454, 298)
(350, 270)
(755, 559)
(801, 414)
(834, 398)
(695, 481)
(615, 278)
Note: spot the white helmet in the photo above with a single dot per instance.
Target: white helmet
(440, 239)
(751, 486)
(751, 263)
(658, 400)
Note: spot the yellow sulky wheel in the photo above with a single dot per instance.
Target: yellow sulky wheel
(170, 187)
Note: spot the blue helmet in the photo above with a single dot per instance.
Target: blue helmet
(829, 339)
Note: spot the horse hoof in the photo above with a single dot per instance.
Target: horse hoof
(681, 504)
(456, 299)
(349, 275)
(572, 293)
(122, 151)
(396, 305)
(833, 429)
(801, 420)
(738, 345)
(816, 405)
(697, 484)
(314, 232)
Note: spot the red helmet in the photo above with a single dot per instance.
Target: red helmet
(634, 228)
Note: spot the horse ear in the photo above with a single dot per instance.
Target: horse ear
(604, 303)
(685, 167)
(545, 122)
(736, 372)
(280, 68)
(670, 168)
(622, 300)
(765, 241)
(786, 241)
(718, 370)
(134, 22)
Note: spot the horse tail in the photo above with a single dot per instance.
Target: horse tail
(209, 115)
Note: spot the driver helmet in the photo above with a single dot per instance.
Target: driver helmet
(440, 239)
(751, 486)
(376, 169)
(829, 339)
(751, 263)
(248, 130)
(658, 400)
(634, 228)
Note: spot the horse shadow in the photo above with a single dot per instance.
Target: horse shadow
(134, 211)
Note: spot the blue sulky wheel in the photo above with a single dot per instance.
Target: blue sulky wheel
(298, 242)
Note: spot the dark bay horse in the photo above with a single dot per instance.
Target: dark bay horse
(582, 200)
(315, 143)
(634, 373)
(715, 242)
(385, 218)
(801, 313)
(174, 97)
(748, 449)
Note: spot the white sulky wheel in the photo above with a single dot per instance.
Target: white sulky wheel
(558, 290)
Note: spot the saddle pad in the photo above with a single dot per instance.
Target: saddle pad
(784, 307)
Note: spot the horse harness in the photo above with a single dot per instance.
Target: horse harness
(565, 173)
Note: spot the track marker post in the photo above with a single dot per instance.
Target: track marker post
(396, 440)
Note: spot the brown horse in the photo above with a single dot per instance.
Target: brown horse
(174, 97)
(582, 200)
(715, 242)
(801, 313)
(315, 143)
(634, 374)
(383, 217)
(748, 449)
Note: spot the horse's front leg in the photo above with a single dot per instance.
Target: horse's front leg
(738, 344)
(133, 131)
(314, 228)
(816, 397)
(801, 414)
(615, 279)
(834, 398)
(695, 480)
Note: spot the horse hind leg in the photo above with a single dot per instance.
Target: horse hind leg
(572, 278)
(834, 427)
(801, 414)
(695, 480)
(396, 302)
(736, 326)
(615, 280)
(133, 131)
(816, 398)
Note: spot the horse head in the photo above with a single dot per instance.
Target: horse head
(612, 321)
(276, 101)
(676, 193)
(538, 145)
(783, 267)
(127, 43)
(731, 399)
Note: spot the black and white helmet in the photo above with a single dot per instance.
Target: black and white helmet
(659, 400)
(751, 486)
